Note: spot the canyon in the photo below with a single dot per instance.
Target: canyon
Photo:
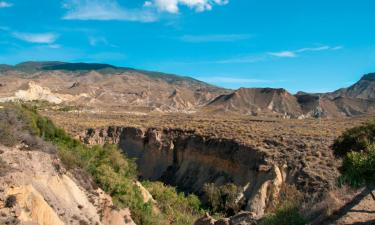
(189, 161)
(184, 133)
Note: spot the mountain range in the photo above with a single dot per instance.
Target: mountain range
(107, 87)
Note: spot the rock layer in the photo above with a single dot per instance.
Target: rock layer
(189, 161)
(36, 189)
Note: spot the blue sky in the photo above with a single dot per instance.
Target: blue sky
(306, 45)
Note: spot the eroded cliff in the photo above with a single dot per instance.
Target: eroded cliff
(36, 189)
(188, 161)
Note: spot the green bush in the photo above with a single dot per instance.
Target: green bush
(355, 139)
(358, 168)
(285, 215)
(222, 198)
(178, 208)
(357, 147)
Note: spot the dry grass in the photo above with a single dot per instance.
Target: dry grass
(302, 145)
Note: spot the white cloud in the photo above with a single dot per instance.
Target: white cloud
(172, 6)
(39, 38)
(214, 38)
(260, 57)
(105, 10)
(285, 54)
(4, 4)
(295, 53)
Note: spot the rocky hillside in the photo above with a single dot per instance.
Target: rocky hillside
(37, 188)
(258, 101)
(363, 89)
(103, 87)
(358, 99)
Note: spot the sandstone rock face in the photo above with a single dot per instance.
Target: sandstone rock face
(43, 193)
(267, 193)
(33, 207)
(37, 92)
(189, 161)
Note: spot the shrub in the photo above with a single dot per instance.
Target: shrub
(9, 127)
(289, 196)
(357, 147)
(7, 137)
(222, 198)
(285, 215)
(178, 207)
(358, 168)
(355, 139)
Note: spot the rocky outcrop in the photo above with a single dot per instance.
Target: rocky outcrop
(36, 189)
(268, 189)
(31, 206)
(36, 92)
(242, 218)
(189, 161)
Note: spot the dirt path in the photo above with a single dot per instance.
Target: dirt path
(359, 211)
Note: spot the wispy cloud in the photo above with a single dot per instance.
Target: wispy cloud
(96, 41)
(173, 6)
(214, 38)
(295, 53)
(284, 54)
(260, 57)
(105, 10)
(38, 38)
(4, 4)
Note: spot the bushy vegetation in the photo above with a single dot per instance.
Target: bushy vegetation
(356, 139)
(9, 124)
(222, 198)
(176, 206)
(357, 147)
(286, 211)
(285, 215)
(112, 171)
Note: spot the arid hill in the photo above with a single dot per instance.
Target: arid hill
(255, 101)
(103, 87)
(358, 99)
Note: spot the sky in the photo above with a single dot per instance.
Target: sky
(300, 45)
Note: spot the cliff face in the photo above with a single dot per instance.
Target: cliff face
(36, 189)
(189, 161)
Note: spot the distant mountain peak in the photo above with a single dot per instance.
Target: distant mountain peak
(369, 77)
